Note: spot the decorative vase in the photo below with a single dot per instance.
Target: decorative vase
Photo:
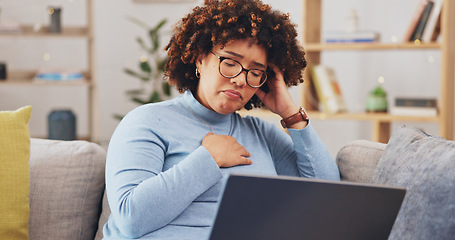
(62, 125)
(55, 19)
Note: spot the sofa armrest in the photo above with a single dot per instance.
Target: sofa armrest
(358, 159)
(66, 188)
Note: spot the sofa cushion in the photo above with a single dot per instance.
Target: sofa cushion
(14, 173)
(67, 183)
(358, 160)
(425, 166)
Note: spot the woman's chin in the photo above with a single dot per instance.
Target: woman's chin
(228, 109)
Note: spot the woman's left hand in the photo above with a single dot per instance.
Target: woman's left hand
(278, 99)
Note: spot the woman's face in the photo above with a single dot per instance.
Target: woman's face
(226, 95)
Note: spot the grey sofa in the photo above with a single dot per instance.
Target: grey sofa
(67, 184)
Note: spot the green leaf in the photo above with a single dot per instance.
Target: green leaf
(155, 97)
(159, 25)
(155, 36)
(145, 66)
(154, 41)
(138, 22)
(166, 89)
(118, 116)
(145, 79)
(138, 100)
(141, 43)
(135, 92)
(132, 73)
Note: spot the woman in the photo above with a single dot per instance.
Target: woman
(166, 161)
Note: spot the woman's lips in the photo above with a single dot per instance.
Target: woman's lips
(233, 94)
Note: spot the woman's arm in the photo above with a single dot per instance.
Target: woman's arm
(142, 198)
(305, 153)
(314, 159)
(300, 154)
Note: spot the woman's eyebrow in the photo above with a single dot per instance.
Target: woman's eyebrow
(241, 57)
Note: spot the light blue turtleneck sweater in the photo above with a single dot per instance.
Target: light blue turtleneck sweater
(162, 184)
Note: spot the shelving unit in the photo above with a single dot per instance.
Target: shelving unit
(311, 40)
(25, 78)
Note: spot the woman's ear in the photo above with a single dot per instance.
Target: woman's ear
(199, 60)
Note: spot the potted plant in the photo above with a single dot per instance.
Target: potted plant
(151, 68)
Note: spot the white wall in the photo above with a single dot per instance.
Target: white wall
(407, 73)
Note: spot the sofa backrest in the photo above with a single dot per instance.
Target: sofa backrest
(66, 189)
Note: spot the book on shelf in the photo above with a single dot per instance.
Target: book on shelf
(58, 74)
(415, 107)
(415, 20)
(417, 35)
(351, 37)
(414, 111)
(437, 30)
(416, 102)
(327, 89)
(432, 28)
(10, 27)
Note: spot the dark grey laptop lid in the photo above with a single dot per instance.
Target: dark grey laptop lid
(258, 207)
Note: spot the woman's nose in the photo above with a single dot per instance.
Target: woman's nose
(240, 80)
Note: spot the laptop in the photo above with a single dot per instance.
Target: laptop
(259, 207)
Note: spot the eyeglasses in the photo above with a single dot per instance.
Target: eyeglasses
(231, 68)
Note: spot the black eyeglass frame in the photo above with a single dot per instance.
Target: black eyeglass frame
(221, 58)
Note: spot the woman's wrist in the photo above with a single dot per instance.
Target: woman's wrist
(289, 111)
(297, 120)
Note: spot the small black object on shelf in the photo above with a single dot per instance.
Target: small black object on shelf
(55, 13)
(3, 71)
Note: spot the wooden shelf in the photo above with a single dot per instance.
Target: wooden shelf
(26, 78)
(315, 47)
(28, 82)
(382, 117)
(67, 32)
(361, 116)
(311, 41)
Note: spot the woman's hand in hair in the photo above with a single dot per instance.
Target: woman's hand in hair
(278, 99)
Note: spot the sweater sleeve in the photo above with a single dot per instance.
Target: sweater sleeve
(142, 198)
(303, 153)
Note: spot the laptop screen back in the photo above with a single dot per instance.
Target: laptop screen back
(254, 207)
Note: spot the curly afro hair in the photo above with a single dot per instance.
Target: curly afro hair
(220, 22)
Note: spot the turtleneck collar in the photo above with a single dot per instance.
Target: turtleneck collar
(206, 114)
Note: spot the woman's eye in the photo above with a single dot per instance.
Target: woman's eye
(256, 73)
(229, 63)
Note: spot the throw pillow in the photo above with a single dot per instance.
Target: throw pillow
(14, 173)
(358, 160)
(67, 183)
(425, 166)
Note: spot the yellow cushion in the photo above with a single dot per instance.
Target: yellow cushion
(14, 173)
